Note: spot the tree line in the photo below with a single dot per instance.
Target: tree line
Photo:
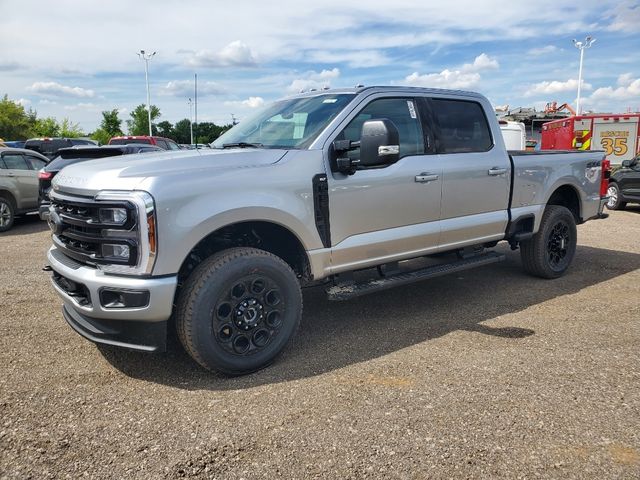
(16, 123)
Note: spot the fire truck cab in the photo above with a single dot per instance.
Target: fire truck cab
(616, 134)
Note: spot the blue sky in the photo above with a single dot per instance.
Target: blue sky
(75, 59)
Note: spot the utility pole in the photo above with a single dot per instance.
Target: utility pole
(191, 119)
(146, 57)
(581, 46)
(196, 106)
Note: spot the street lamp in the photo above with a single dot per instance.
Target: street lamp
(191, 120)
(581, 46)
(146, 57)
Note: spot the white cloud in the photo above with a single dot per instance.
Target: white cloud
(23, 101)
(313, 79)
(355, 59)
(57, 90)
(185, 88)
(44, 101)
(543, 50)
(81, 106)
(444, 79)
(555, 86)
(629, 90)
(480, 63)
(235, 54)
(626, 18)
(251, 102)
(466, 77)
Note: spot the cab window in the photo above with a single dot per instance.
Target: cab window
(403, 112)
(463, 126)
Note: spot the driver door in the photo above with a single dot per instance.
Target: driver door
(386, 213)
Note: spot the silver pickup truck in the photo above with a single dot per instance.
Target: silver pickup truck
(306, 191)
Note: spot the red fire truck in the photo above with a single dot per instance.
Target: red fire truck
(616, 134)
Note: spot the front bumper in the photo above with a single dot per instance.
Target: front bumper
(140, 328)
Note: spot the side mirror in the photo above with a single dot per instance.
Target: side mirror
(626, 163)
(379, 143)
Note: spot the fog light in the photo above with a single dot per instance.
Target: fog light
(113, 216)
(120, 298)
(115, 250)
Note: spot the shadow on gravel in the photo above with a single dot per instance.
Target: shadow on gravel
(26, 225)
(334, 335)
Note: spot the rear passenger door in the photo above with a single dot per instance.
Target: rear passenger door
(476, 174)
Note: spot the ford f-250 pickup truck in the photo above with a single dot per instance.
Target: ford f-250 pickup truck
(306, 191)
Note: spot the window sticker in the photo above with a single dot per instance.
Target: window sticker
(330, 100)
(412, 109)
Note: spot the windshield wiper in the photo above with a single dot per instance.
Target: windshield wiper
(241, 145)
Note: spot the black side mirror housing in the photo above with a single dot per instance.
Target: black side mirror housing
(379, 143)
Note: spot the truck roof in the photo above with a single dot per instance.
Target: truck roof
(386, 88)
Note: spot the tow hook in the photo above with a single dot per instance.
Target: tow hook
(47, 268)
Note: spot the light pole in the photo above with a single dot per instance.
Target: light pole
(146, 57)
(581, 46)
(191, 119)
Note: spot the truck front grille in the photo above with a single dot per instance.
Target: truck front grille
(79, 233)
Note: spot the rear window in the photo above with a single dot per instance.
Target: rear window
(125, 141)
(463, 126)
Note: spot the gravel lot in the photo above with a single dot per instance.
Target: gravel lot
(485, 374)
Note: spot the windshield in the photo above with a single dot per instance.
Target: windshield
(292, 123)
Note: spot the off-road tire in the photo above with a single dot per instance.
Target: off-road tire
(614, 202)
(218, 302)
(550, 252)
(7, 213)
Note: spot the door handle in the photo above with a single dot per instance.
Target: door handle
(497, 171)
(10, 175)
(425, 177)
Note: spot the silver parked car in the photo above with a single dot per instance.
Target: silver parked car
(18, 183)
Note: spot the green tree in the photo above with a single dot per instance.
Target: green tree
(15, 123)
(68, 129)
(111, 124)
(46, 127)
(165, 129)
(207, 132)
(139, 123)
(101, 136)
(182, 131)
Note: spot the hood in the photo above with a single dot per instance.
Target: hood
(126, 172)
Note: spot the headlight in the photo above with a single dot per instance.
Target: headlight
(136, 228)
(113, 216)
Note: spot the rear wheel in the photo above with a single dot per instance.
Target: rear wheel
(550, 252)
(238, 310)
(614, 202)
(7, 214)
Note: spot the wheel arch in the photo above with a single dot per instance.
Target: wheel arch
(7, 194)
(567, 196)
(262, 234)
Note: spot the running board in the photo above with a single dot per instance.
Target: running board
(347, 291)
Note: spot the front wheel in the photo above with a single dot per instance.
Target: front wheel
(238, 310)
(614, 202)
(550, 252)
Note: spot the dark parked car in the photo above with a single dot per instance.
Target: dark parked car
(69, 156)
(162, 142)
(18, 183)
(14, 143)
(624, 185)
(49, 146)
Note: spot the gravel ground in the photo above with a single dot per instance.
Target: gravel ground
(485, 374)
